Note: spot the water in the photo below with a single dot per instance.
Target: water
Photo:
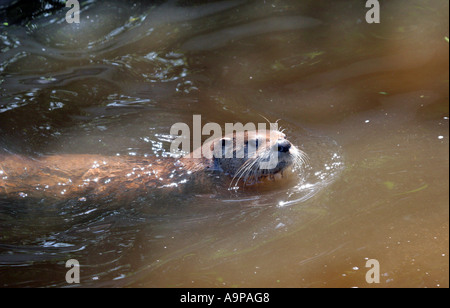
(367, 103)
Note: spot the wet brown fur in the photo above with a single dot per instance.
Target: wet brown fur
(63, 176)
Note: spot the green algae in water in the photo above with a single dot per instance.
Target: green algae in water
(389, 185)
(425, 186)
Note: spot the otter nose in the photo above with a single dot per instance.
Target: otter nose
(284, 146)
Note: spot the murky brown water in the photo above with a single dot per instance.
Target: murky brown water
(368, 103)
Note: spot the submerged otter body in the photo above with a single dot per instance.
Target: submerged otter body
(66, 176)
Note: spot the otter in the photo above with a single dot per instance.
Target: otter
(67, 176)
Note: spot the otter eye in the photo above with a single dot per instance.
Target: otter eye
(225, 141)
(254, 142)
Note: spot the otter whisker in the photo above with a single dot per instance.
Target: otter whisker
(247, 171)
(267, 120)
(300, 159)
(241, 171)
(256, 174)
(250, 169)
(304, 157)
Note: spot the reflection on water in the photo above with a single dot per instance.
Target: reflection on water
(367, 103)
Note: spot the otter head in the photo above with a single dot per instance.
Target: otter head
(252, 156)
